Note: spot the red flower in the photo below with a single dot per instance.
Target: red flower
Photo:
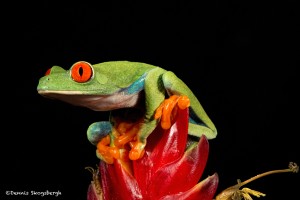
(170, 168)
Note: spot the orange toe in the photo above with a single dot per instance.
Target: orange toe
(183, 102)
(126, 136)
(137, 151)
(168, 107)
(106, 152)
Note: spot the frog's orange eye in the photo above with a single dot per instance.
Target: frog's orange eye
(81, 72)
(48, 72)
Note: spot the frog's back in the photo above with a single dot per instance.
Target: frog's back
(124, 67)
(124, 70)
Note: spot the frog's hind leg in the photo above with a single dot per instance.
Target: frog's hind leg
(201, 123)
(197, 127)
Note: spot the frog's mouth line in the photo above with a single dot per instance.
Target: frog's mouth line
(92, 101)
(62, 92)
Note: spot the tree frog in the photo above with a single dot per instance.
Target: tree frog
(123, 87)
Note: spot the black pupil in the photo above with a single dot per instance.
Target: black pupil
(80, 71)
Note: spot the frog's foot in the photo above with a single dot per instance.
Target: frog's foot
(168, 108)
(106, 152)
(137, 150)
(122, 144)
(126, 138)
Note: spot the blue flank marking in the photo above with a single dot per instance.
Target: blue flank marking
(136, 86)
(194, 119)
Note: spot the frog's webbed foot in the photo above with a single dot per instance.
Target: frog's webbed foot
(126, 137)
(106, 152)
(167, 109)
(121, 143)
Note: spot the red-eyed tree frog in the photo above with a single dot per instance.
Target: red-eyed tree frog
(123, 88)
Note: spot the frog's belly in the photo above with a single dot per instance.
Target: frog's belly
(97, 102)
(106, 103)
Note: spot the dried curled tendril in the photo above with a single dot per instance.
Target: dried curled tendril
(235, 193)
(96, 179)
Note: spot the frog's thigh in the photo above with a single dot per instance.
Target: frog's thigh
(174, 85)
(198, 130)
(98, 130)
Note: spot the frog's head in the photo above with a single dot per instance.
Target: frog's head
(98, 87)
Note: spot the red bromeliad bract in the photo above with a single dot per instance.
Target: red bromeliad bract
(169, 169)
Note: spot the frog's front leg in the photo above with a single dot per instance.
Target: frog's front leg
(154, 96)
(115, 137)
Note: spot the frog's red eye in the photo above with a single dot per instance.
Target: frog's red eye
(48, 72)
(81, 72)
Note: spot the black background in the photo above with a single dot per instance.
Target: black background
(239, 58)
